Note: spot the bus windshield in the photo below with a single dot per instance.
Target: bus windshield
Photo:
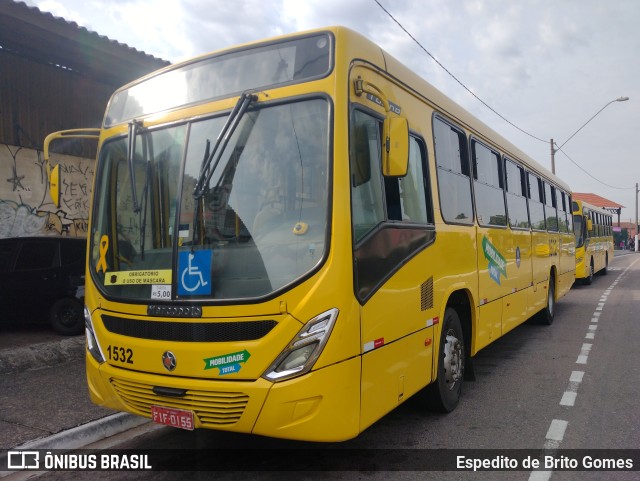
(260, 222)
(258, 67)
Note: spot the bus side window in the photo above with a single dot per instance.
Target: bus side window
(569, 213)
(488, 186)
(536, 205)
(366, 175)
(560, 219)
(550, 208)
(516, 195)
(454, 183)
(562, 216)
(414, 199)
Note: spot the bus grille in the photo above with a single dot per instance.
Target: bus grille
(182, 331)
(213, 409)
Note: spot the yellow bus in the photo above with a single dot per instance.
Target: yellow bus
(594, 240)
(292, 237)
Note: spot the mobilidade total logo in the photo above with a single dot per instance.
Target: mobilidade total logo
(497, 263)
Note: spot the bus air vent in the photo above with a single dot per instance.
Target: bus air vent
(426, 294)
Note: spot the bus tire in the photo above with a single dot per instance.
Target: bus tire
(605, 270)
(589, 279)
(548, 313)
(444, 393)
(67, 317)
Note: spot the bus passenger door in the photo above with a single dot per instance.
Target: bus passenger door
(392, 228)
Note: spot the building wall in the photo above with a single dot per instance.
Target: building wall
(26, 208)
(39, 99)
(54, 76)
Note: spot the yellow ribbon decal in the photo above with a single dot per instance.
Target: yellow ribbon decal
(102, 262)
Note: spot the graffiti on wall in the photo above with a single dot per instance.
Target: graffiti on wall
(26, 208)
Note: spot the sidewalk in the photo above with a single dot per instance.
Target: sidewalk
(44, 402)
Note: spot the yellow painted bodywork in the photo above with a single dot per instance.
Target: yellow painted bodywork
(597, 248)
(381, 351)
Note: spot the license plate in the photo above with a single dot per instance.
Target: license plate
(178, 418)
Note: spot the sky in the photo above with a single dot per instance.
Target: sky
(545, 67)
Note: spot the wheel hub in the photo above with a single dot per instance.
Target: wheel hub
(453, 360)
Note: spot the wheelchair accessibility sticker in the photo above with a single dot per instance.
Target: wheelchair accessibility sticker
(194, 270)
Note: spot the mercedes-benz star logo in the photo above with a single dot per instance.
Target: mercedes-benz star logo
(169, 361)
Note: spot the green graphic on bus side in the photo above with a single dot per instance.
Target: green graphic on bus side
(497, 263)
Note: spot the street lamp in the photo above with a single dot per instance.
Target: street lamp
(554, 150)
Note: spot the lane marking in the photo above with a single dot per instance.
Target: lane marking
(568, 399)
(569, 396)
(555, 434)
(540, 475)
(558, 427)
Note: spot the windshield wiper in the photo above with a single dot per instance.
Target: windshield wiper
(209, 165)
(134, 125)
(147, 149)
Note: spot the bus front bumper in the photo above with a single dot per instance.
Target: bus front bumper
(323, 405)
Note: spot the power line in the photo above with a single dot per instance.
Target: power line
(594, 178)
(455, 78)
(487, 105)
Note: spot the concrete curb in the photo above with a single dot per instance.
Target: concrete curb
(88, 433)
(41, 354)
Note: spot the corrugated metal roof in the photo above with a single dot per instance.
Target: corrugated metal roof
(596, 200)
(42, 37)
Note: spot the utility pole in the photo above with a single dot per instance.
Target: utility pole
(553, 158)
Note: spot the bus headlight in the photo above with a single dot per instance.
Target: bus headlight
(302, 352)
(92, 343)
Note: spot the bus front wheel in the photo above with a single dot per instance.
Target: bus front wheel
(444, 393)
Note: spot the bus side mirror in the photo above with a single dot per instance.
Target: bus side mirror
(589, 225)
(54, 185)
(53, 174)
(395, 151)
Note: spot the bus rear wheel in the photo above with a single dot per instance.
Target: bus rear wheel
(444, 393)
(548, 313)
(605, 270)
(589, 279)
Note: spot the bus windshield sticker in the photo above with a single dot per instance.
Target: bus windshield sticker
(104, 247)
(194, 268)
(497, 263)
(183, 230)
(227, 363)
(158, 276)
(161, 292)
